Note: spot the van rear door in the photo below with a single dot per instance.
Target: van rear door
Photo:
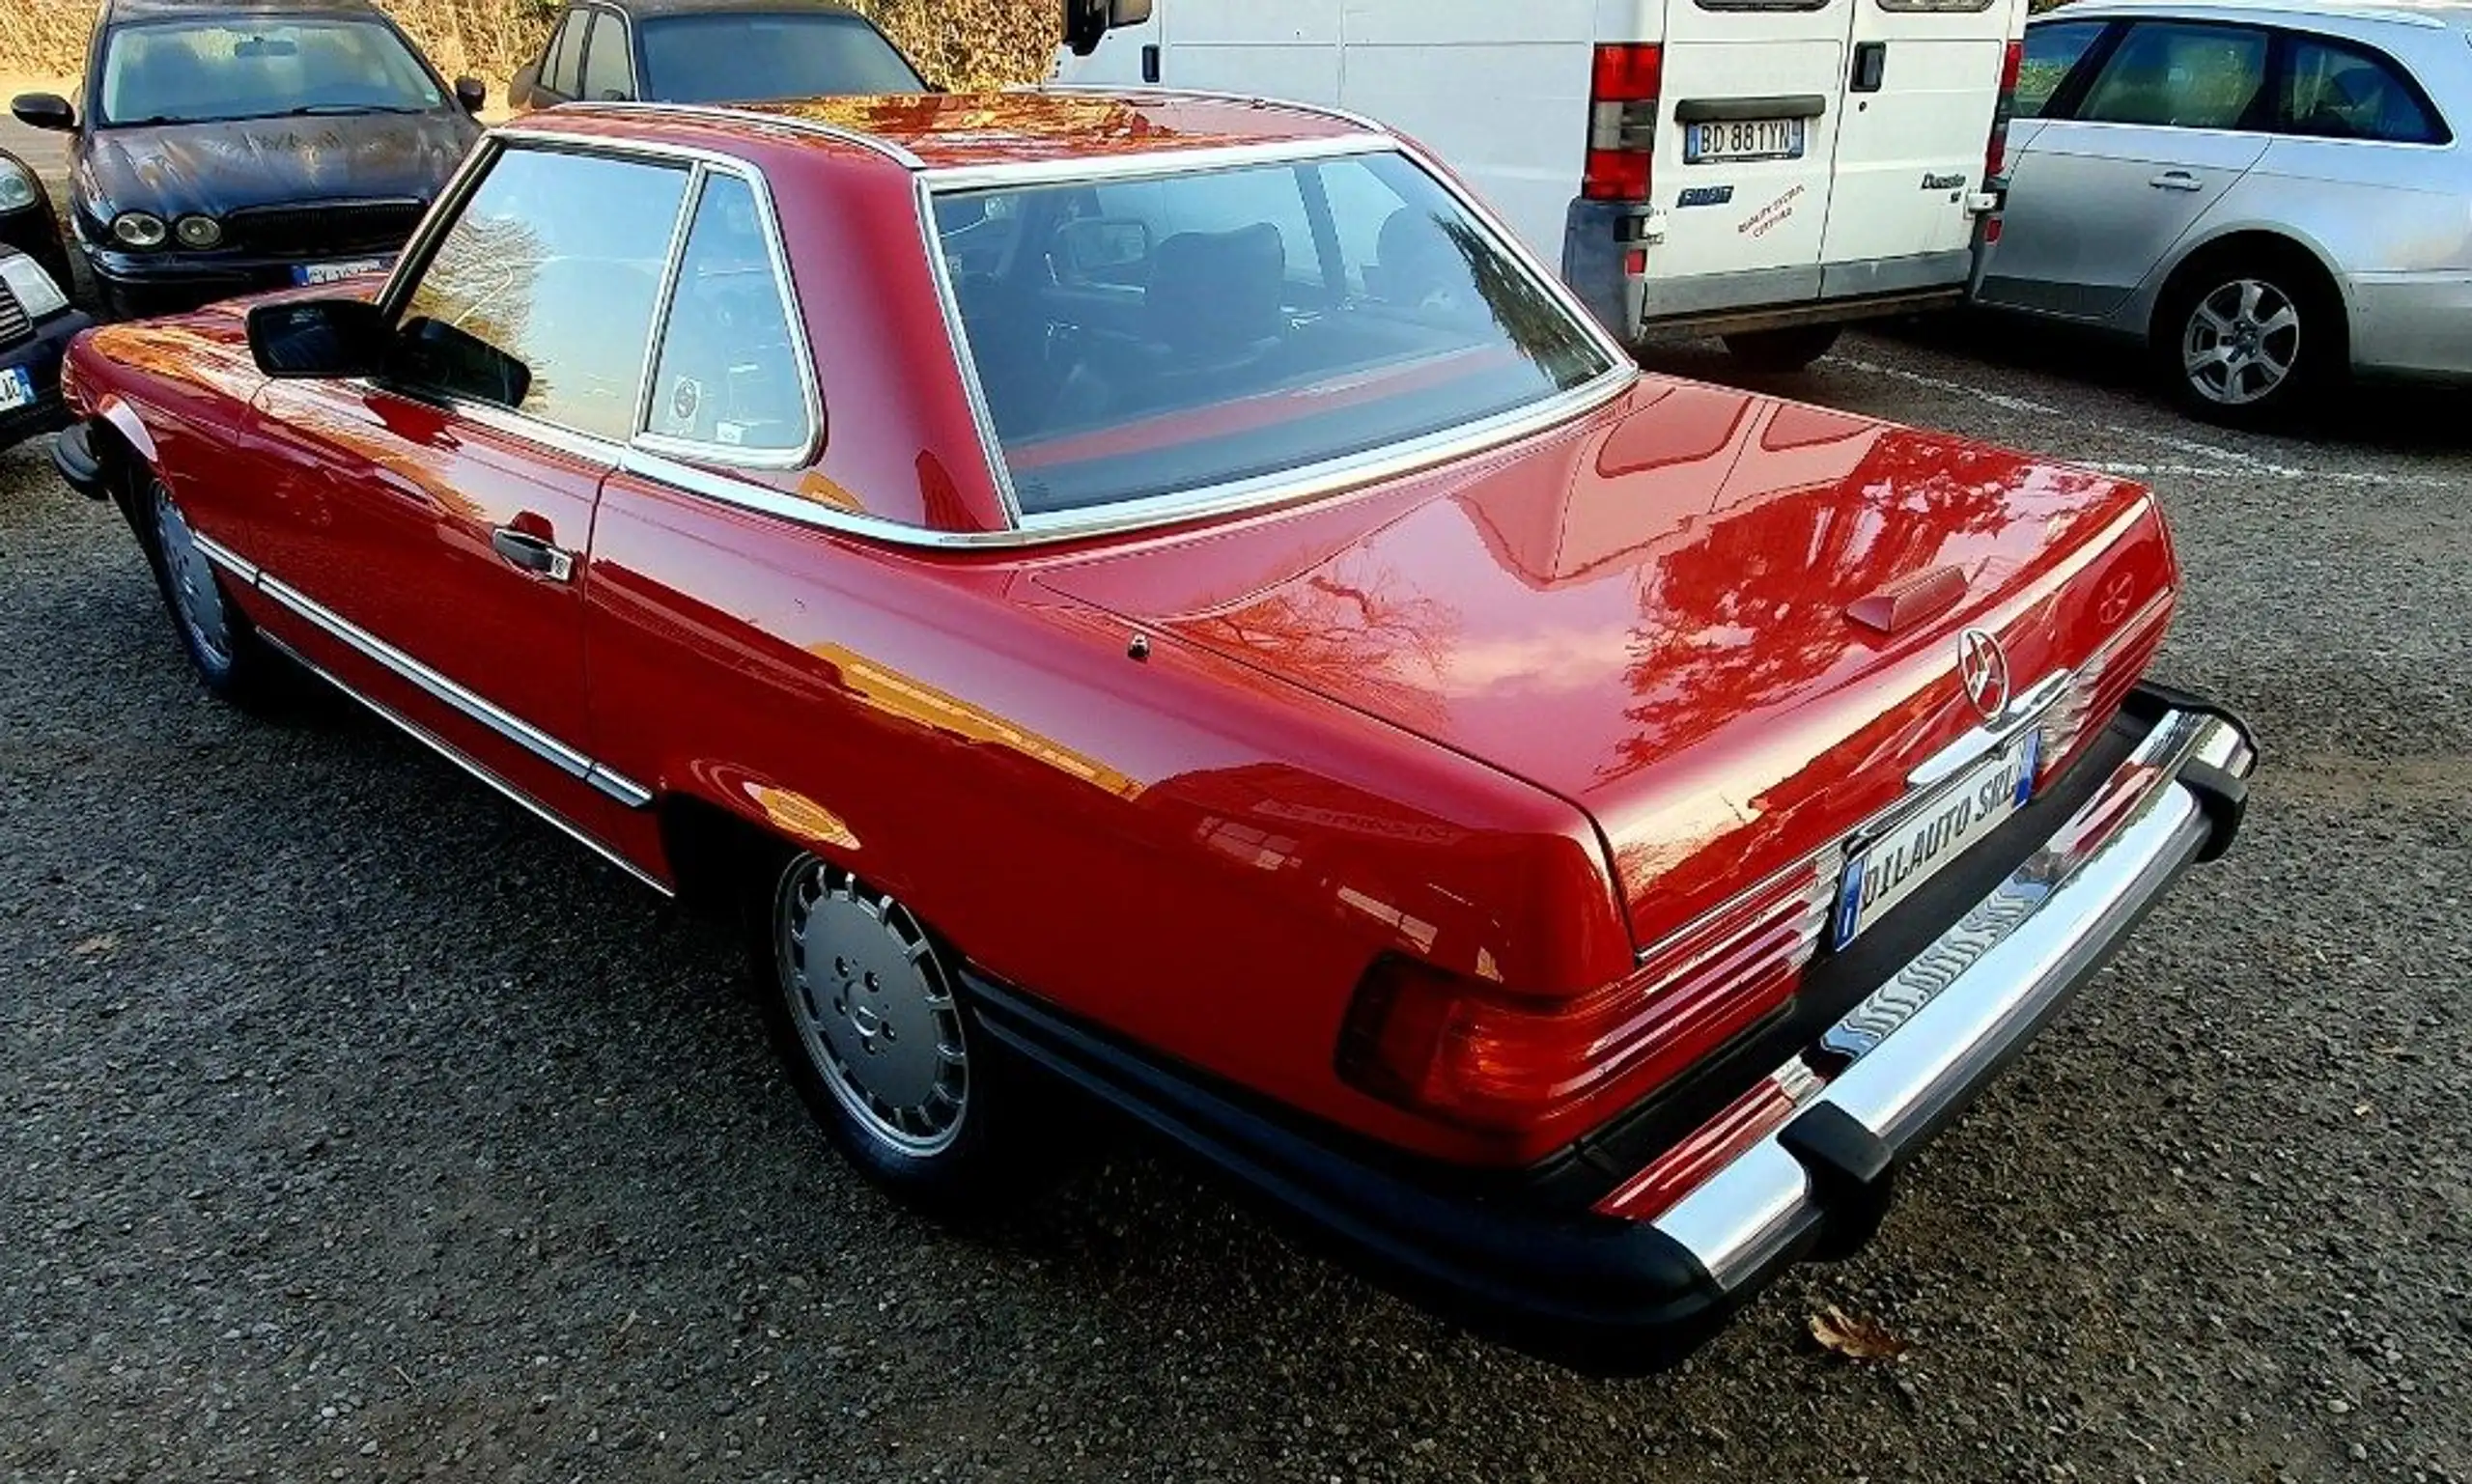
(1754, 91)
(1497, 89)
(1922, 77)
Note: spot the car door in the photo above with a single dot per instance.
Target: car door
(2170, 115)
(441, 514)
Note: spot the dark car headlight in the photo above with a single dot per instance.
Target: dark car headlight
(198, 232)
(18, 187)
(139, 229)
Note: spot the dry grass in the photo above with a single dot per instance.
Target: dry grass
(957, 44)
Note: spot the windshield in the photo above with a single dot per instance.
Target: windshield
(1146, 337)
(237, 67)
(742, 58)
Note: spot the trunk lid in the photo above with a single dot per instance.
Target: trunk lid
(1647, 613)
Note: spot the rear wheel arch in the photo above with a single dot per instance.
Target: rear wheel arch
(2248, 245)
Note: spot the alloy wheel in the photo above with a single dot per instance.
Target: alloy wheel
(874, 1007)
(2241, 343)
(190, 577)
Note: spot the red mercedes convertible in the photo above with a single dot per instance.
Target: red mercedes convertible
(1162, 594)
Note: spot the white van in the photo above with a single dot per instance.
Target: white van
(1762, 170)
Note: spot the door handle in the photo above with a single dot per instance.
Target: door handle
(522, 549)
(1871, 67)
(2176, 180)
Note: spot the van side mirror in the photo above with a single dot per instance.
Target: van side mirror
(45, 110)
(471, 93)
(1088, 23)
(325, 339)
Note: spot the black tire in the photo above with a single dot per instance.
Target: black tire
(223, 648)
(834, 956)
(1791, 349)
(2245, 338)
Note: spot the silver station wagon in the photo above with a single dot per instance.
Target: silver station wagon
(2270, 197)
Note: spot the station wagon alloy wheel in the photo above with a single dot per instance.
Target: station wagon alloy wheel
(189, 580)
(872, 1007)
(2242, 342)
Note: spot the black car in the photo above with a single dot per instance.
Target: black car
(247, 144)
(27, 221)
(36, 323)
(711, 51)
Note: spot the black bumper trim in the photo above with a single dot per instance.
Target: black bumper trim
(72, 454)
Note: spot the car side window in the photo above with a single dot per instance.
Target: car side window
(2052, 52)
(2182, 76)
(728, 375)
(539, 271)
(563, 72)
(606, 71)
(2332, 91)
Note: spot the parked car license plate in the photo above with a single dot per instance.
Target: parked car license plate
(17, 388)
(1743, 139)
(1960, 812)
(335, 272)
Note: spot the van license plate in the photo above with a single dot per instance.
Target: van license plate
(1710, 144)
(1893, 866)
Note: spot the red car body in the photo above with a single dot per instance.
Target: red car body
(1446, 849)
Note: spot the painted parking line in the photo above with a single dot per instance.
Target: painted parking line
(2000, 399)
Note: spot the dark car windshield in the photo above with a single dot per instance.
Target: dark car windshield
(239, 67)
(739, 57)
(1154, 336)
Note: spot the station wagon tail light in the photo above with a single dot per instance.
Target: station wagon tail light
(1995, 154)
(1484, 1056)
(2100, 685)
(1622, 122)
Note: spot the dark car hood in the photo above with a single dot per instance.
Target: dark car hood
(175, 169)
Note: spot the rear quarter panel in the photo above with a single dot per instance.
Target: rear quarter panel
(1198, 856)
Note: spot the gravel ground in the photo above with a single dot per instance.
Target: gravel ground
(353, 1126)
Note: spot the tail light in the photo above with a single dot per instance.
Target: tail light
(2100, 685)
(1687, 1165)
(1622, 122)
(1995, 154)
(1482, 1055)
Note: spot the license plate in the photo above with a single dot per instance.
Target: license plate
(17, 388)
(1709, 144)
(1895, 864)
(336, 272)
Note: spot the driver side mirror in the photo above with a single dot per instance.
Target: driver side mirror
(1088, 23)
(471, 93)
(45, 110)
(329, 339)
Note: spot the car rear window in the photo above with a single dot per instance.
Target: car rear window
(735, 57)
(1152, 336)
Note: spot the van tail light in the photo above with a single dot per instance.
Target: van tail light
(1995, 154)
(1482, 1055)
(1622, 122)
(2100, 686)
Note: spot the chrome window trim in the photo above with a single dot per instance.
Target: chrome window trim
(784, 289)
(940, 268)
(457, 756)
(1152, 163)
(1287, 486)
(875, 144)
(496, 718)
(728, 489)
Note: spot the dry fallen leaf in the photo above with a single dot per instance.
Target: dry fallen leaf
(1856, 1339)
(97, 946)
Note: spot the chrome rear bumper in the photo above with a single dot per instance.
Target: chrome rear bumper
(1914, 1051)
